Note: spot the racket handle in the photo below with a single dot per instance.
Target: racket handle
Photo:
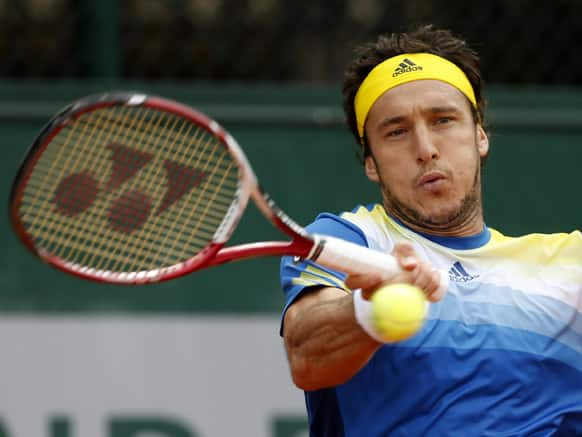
(351, 258)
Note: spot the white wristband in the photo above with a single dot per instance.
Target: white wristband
(363, 313)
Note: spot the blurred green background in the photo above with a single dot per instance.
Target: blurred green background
(270, 72)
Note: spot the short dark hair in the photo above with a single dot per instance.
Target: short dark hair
(427, 39)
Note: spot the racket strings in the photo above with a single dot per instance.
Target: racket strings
(158, 203)
(86, 232)
(132, 134)
(119, 125)
(82, 235)
(82, 183)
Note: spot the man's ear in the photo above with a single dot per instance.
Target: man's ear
(371, 169)
(482, 141)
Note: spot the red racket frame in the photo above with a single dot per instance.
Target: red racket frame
(215, 252)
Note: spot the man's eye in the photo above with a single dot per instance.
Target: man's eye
(396, 132)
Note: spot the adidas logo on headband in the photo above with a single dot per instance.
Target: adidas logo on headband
(406, 66)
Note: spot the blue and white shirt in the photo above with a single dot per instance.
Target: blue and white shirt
(500, 355)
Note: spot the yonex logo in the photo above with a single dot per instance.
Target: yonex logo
(128, 212)
(406, 66)
(458, 273)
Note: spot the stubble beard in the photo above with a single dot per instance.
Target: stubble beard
(469, 209)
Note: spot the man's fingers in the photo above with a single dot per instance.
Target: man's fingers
(405, 255)
(428, 279)
(414, 271)
(363, 281)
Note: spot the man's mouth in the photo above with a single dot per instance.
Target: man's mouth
(431, 180)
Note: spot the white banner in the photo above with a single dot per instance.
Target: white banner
(136, 377)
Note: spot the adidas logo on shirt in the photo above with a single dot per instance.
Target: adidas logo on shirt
(457, 273)
(406, 66)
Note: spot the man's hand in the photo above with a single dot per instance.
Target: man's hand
(414, 271)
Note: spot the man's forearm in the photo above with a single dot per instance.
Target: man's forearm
(325, 345)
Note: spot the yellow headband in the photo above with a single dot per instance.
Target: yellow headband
(407, 68)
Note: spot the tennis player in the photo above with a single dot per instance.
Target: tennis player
(501, 353)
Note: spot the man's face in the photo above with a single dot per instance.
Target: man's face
(425, 154)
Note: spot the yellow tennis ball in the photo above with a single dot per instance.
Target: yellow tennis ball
(398, 311)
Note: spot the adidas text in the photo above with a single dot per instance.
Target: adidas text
(402, 70)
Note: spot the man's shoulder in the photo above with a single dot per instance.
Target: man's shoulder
(370, 222)
(343, 225)
(539, 247)
(365, 217)
(537, 238)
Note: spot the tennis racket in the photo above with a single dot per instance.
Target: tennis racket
(134, 189)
